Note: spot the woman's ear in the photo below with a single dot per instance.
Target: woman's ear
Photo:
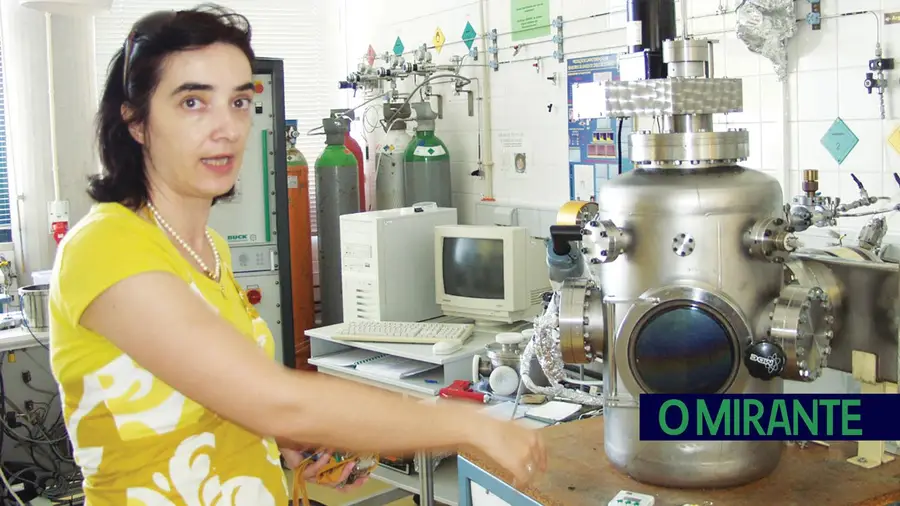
(134, 128)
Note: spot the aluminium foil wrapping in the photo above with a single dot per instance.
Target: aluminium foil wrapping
(766, 26)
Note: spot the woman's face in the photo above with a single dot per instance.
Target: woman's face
(199, 121)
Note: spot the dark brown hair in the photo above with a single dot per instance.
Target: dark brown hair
(133, 76)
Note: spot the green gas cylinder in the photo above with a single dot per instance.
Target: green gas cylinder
(427, 163)
(337, 193)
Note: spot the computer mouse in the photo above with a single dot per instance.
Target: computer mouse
(446, 347)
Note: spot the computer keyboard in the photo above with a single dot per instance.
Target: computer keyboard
(405, 332)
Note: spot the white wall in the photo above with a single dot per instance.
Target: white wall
(25, 62)
(786, 120)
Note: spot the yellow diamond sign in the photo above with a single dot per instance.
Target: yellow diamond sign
(894, 140)
(439, 40)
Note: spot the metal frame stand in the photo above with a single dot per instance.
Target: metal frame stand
(426, 479)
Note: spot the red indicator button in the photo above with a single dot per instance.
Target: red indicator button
(254, 296)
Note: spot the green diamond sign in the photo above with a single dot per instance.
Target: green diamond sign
(468, 35)
(430, 151)
(398, 47)
(839, 140)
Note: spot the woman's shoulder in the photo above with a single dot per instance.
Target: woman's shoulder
(107, 224)
(109, 235)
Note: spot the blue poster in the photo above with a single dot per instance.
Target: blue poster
(594, 143)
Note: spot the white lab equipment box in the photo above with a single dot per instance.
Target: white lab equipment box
(387, 263)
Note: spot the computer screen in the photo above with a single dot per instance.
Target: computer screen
(473, 268)
(489, 273)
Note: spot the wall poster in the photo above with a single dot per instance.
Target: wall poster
(593, 143)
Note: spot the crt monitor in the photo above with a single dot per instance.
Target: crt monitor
(491, 274)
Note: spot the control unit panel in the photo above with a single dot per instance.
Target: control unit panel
(254, 220)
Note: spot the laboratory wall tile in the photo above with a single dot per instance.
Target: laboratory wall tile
(817, 95)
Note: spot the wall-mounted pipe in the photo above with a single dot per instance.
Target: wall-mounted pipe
(54, 156)
(486, 108)
(388, 56)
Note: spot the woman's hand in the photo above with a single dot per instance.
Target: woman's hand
(293, 459)
(519, 450)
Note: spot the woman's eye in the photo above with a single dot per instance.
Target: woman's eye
(242, 103)
(191, 103)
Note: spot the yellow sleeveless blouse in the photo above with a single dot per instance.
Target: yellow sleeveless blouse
(137, 440)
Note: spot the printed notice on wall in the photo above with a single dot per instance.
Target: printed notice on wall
(515, 154)
(584, 182)
(530, 19)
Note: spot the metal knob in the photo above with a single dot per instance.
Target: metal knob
(765, 360)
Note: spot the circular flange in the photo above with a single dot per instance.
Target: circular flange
(802, 323)
(685, 50)
(661, 300)
(582, 335)
(603, 241)
(683, 244)
(686, 57)
(690, 150)
(771, 239)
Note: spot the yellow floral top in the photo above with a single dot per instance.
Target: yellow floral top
(137, 440)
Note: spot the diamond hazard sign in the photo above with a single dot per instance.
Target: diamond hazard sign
(439, 40)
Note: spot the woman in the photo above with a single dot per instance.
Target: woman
(170, 391)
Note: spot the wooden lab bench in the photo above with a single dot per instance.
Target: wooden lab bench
(579, 474)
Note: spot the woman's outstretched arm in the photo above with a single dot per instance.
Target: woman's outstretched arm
(172, 332)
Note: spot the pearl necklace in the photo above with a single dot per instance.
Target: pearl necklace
(214, 274)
